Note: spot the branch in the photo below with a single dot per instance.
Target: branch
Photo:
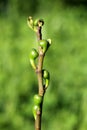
(43, 46)
(40, 81)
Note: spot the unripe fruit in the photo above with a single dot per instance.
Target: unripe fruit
(33, 55)
(45, 74)
(40, 22)
(35, 109)
(37, 99)
(36, 22)
(44, 45)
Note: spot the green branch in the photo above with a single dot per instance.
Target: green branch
(43, 46)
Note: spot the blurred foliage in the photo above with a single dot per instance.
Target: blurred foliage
(65, 103)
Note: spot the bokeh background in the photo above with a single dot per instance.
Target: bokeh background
(65, 103)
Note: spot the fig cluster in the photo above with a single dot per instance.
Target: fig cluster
(44, 45)
(33, 24)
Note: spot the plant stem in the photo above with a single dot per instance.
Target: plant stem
(39, 34)
(40, 81)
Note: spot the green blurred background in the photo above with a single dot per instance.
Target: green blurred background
(65, 103)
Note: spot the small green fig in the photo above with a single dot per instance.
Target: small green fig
(44, 45)
(35, 109)
(33, 55)
(40, 22)
(36, 25)
(36, 22)
(37, 99)
(46, 76)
